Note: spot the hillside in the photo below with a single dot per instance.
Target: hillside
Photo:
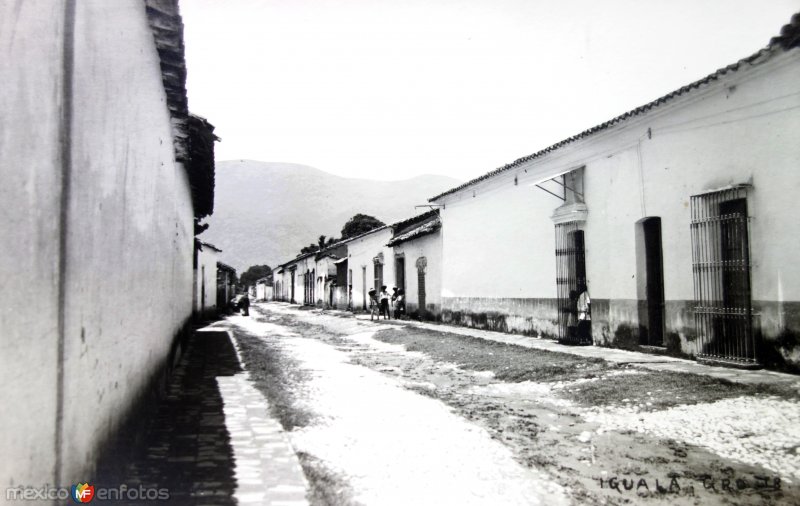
(265, 212)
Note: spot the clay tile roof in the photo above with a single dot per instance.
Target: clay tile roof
(788, 39)
(414, 219)
(426, 228)
(193, 136)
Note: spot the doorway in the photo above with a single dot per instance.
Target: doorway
(571, 284)
(650, 273)
(400, 272)
(364, 286)
(378, 276)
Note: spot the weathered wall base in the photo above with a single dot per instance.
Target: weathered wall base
(615, 323)
(123, 440)
(532, 317)
(432, 312)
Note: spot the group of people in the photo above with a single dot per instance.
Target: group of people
(380, 302)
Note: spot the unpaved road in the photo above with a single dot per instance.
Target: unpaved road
(464, 421)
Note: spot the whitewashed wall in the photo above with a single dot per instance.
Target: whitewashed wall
(499, 243)
(205, 290)
(128, 232)
(428, 247)
(361, 252)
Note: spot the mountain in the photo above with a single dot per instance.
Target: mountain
(265, 212)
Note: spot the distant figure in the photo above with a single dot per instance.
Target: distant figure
(400, 304)
(374, 304)
(584, 306)
(572, 315)
(393, 300)
(244, 305)
(384, 296)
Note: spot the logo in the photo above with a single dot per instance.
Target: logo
(82, 492)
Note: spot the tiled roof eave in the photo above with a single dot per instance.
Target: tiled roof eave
(422, 230)
(755, 58)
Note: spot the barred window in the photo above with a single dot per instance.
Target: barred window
(721, 270)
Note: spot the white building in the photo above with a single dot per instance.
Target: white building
(417, 257)
(677, 217)
(370, 264)
(205, 279)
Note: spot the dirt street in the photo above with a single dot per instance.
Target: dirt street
(386, 413)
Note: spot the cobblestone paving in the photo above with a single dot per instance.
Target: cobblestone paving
(186, 447)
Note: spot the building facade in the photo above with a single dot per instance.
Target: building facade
(674, 218)
(205, 279)
(416, 245)
(369, 264)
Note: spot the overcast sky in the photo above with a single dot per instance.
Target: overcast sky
(392, 89)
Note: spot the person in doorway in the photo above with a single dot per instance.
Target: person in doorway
(400, 304)
(384, 297)
(584, 315)
(572, 316)
(393, 302)
(244, 305)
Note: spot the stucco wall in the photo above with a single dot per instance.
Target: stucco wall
(360, 254)
(30, 167)
(128, 226)
(499, 243)
(430, 247)
(205, 279)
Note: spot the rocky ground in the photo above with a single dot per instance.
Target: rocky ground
(391, 413)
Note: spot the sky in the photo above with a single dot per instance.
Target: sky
(389, 90)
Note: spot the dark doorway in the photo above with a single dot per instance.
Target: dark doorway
(421, 290)
(735, 252)
(291, 299)
(570, 284)
(651, 282)
(721, 264)
(400, 273)
(364, 286)
(378, 276)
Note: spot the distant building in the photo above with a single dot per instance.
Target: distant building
(417, 255)
(331, 265)
(206, 302)
(226, 285)
(104, 173)
(264, 290)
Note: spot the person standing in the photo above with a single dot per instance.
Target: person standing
(244, 305)
(584, 315)
(384, 297)
(400, 304)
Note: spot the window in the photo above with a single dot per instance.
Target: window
(721, 270)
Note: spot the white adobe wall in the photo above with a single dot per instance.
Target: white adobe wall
(30, 168)
(430, 247)
(500, 243)
(206, 276)
(131, 243)
(360, 254)
(129, 227)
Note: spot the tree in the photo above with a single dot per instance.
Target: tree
(253, 274)
(360, 224)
